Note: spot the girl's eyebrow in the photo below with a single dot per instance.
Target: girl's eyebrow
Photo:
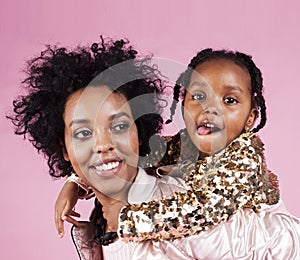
(206, 85)
(234, 88)
(198, 84)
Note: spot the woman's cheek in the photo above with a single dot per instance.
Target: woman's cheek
(80, 153)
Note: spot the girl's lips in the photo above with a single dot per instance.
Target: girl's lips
(207, 128)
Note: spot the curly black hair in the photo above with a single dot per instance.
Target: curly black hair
(58, 72)
(243, 60)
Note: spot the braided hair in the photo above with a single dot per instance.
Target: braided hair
(241, 59)
(100, 223)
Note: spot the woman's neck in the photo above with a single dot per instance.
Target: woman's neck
(110, 199)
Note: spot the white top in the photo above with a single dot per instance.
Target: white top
(140, 191)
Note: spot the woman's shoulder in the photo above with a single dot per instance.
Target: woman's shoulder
(166, 186)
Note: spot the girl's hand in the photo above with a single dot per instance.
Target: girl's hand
(111, 214)
(111, 209)
(64, 207)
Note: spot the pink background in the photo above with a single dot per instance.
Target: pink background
(269, 30)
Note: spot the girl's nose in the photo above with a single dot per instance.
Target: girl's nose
(212, 107)
(211, 110)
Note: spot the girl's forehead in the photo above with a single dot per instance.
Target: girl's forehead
(221, 69)
(221, 64)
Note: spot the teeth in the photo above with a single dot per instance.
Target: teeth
(107, 166)
(209, 125)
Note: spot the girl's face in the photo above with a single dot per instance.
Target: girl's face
(217, 105)
(101, 140)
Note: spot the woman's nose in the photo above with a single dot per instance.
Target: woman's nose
(103, 143)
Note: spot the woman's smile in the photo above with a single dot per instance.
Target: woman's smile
(107, 167)
(101, 139)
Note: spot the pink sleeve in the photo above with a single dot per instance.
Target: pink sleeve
(84, 191)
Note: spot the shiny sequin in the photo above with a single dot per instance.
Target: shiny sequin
(221, 184)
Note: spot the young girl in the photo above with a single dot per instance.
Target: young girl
(231, 209)
(93, 112)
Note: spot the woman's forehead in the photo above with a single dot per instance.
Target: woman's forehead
(95, 95)
(94, 100)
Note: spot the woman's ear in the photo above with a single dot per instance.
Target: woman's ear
(65, 153)
(66, 156)
(251, 119)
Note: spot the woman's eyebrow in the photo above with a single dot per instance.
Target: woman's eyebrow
(79, 121)
(118, 115)
(111, 118)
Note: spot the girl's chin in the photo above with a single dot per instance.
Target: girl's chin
(210, 149)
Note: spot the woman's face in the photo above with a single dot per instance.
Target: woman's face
(101, 139)
(217, 105)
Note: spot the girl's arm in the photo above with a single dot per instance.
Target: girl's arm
(217, 190)
(185, 214)
(72, 190)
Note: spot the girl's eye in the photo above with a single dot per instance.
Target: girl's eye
(81, 134)
(199, 97)
(230, 100)
(119, 128)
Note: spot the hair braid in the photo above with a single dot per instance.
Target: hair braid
(183, 78)
(100, 224)
(176, 94)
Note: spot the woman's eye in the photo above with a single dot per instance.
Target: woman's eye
(80, 134)
(119, 128)
(199, 97)
(230, 100)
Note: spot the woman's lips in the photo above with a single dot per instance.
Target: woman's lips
(107, 167)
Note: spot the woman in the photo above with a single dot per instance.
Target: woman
(93, 112)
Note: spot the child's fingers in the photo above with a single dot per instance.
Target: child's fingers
(74, 214)
(70, 220)
(69, 210)
(59, 223)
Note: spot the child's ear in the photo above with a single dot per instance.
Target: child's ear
(251, 119)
